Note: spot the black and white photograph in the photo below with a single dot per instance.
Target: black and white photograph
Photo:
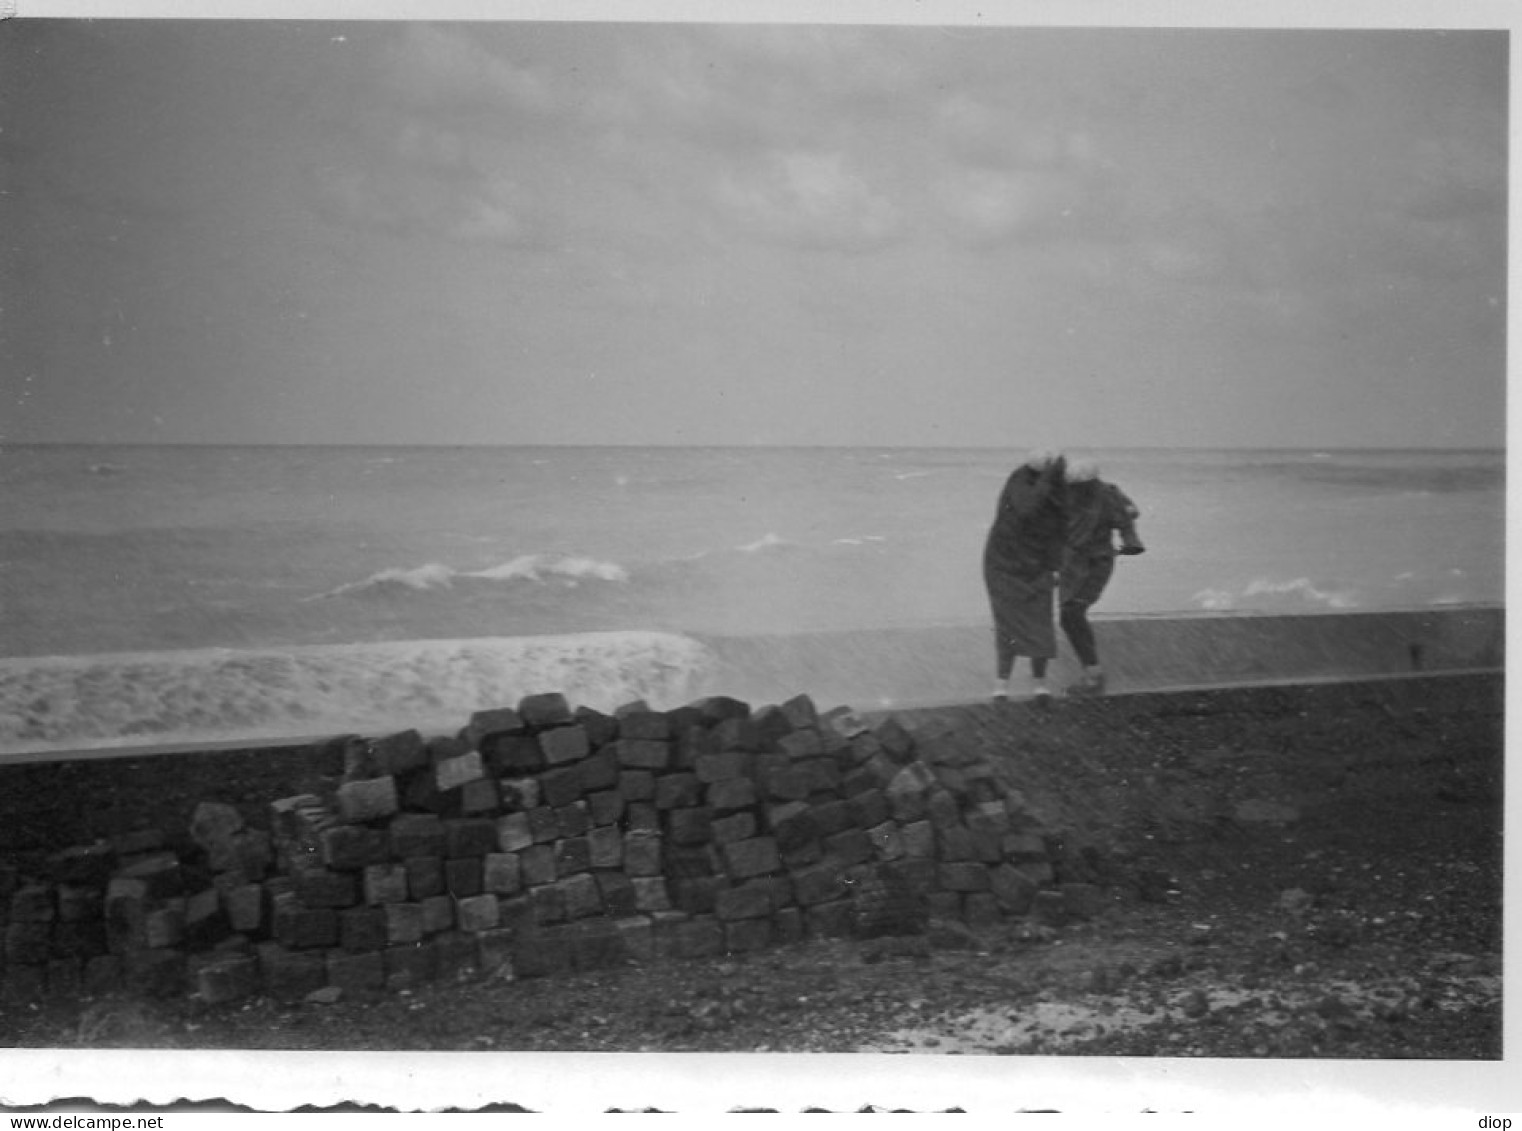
(776, 557)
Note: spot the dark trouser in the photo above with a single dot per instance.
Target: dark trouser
(1083, 582)
(1004, 649)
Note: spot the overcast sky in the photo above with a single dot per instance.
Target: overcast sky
(298, 232)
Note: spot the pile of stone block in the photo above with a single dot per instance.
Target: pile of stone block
(537, 840)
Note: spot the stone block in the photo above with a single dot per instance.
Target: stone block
(896, 739)
(801, 744)
(694, 894)
(638, 723)
(943, 809)
(1019, 847)
(560, 786)
(574, 819)
(501, 873)
(425, 876)
(690, 744)
(606, 807)
(678, 791)
(599, 771)
(160, 972)
(728, 796)
(1039, 872)
(400, 752)
(563, 745)
(516, 911)
(371, 799)
(642, 816)
(289, 975)
(712, 768)
(715, 709)
(496, 721)
(477, 913)
(572, 855)
(636, 785)
(410, 965)
(354, 754)
(606, 847)
(852, 846)
(944, 904)
(518, 795)
(581, 895)
(739, 735)
(417, 792)
(980, 909)
(23, 984)
(792, 823)
(954, 843)
(227, 978)
(648, 754)
(617, 892)
(357, 975)
(512, 755)
(544, 710)
(642, 853)
(829, 920)
(82, 865)
(438, 913)
(160, 874)
(385, 883)
(601, 728)
(404, 923)
(802, 855)
(139, 841)
(963, 877)
(818, 884)
(547, 903)
(701, 937)
(887, 841)
(951, 779)
(650, 893)
(595, 944)
(752, 857)
(513, 832)
(537, 863)
(469, 836)
(303, 928)
(213, 826)
(462, 876)
(787, 926)
(363, 928)
(690, 826)
(318, 887)
(348, 848)
(919, 839)
(243, 904)
(869, 808)
(831, 817)
(856, 781)
(456, 955)
(736, 826)
(750, 900)
(636, 936)
(1013, 890)
(494, 952)
(479, 798)
(743, 935)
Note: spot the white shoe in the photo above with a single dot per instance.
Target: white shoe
(1001, 691)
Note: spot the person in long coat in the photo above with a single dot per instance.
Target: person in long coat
(1097, 511)
(1020, 559)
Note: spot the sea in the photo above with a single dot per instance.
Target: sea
(157, 593)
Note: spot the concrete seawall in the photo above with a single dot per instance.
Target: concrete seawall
(871, 669)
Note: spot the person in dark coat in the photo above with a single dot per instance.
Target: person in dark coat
(1097, 511)
(1020, 559)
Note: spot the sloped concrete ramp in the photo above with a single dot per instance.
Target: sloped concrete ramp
(880, 668)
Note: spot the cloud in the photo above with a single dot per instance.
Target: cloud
(432, 69)
(810, 199)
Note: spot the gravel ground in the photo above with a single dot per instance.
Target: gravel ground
(1289, 873)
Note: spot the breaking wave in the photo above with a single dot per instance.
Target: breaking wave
(210, 694)
(542, 569)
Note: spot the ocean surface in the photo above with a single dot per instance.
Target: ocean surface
(187, 591)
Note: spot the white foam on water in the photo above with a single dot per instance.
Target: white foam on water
(127, 698)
